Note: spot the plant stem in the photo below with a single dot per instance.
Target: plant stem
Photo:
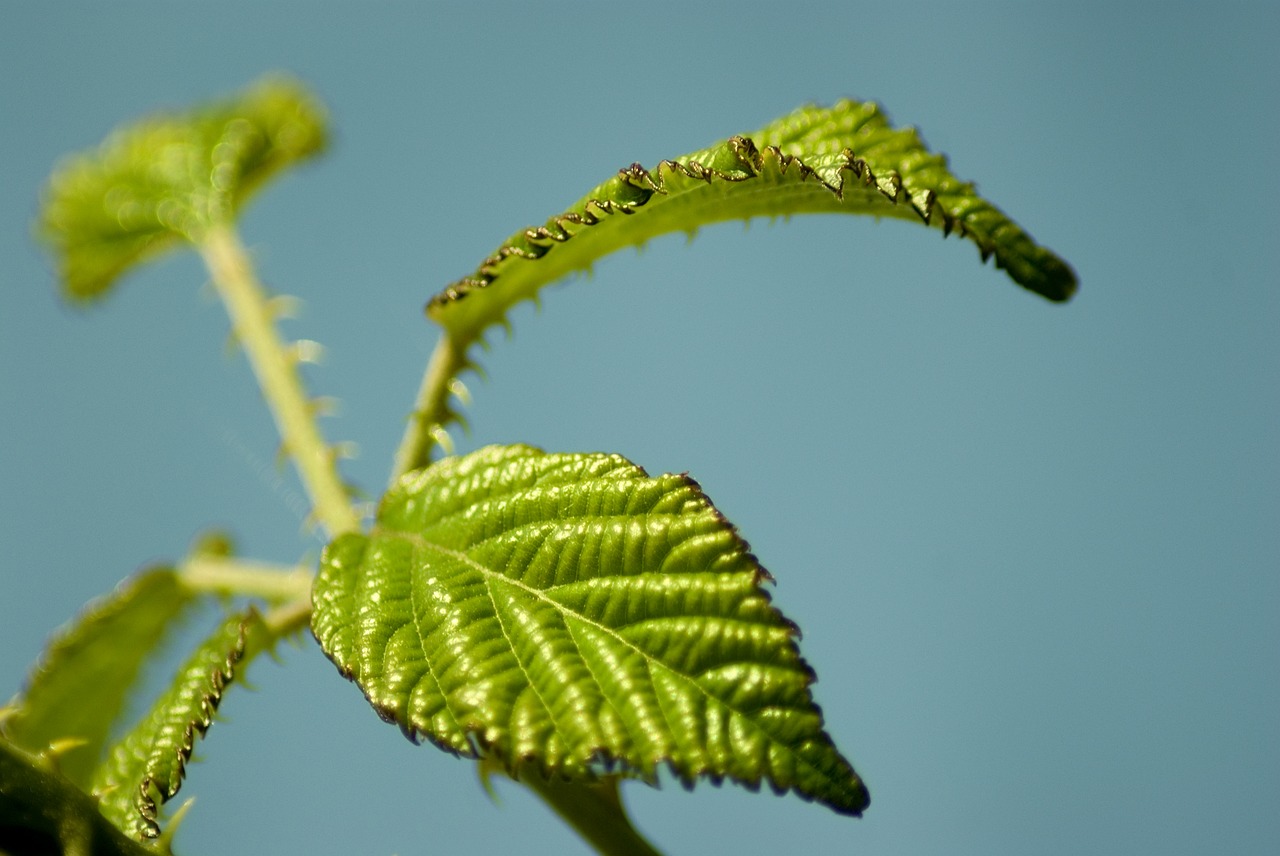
(431, 410)
(277, 376)
(595, 811)
(289, 618)
(273, 583)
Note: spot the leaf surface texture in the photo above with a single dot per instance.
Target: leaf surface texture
(841, 159)
(81, 683)
(166, 179)
(145, 769)
(570, 612)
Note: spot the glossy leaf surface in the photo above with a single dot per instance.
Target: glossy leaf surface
(146, 768)
(569, 612)
(79, 686)
(166, 179)
(842, 159)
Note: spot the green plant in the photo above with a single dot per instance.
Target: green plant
(566, 619)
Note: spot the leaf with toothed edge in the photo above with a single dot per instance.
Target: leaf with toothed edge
(842, 159)
(83, 678)
(146, 768)
(164, 180)
(569, 613)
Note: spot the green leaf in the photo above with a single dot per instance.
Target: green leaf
(569, 612)
(842, 159)
(146, 768)
(41, 811)
(79, 686)
(167, 179)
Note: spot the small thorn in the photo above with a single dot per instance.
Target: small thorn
(459, 390)
(325, 405)
(284, 306)
(461, 420)
(213, 542)
(57, 749)
(442, 438)
(166, 837)
(346, 450)
(310, 523)
(308, 351)
(106, 791)
(485, 768)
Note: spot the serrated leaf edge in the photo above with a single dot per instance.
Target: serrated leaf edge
(478, 747)
(150, 793)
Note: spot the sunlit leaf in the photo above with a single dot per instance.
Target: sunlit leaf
(842, 159)
(167, 179)
(79, 686)
(568, 612)
(42, 812)
(146, 768)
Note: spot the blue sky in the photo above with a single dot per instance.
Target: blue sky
(1033, 548)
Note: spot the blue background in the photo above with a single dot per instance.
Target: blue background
(1033, 548)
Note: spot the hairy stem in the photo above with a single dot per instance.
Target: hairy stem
(273, 583)
(595, 812)
(431, 410)
(277, 375)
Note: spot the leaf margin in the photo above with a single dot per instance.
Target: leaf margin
(146, 767)
(910, 181)
(79, 646)
(341, 577)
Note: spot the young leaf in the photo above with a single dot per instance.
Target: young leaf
(146, 768)
(571, 613)
(79, 686)
(41, 811)
(842, 159)
(167, 179)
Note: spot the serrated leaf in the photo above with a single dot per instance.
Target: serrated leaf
(79, 686)
(842, 159)
(569, 612)
(41, 811)
(167, 179)
(145, 769)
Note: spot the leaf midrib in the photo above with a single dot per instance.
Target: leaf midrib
(488, 573)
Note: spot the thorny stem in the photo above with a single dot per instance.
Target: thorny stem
(274, 368)
(431, 410)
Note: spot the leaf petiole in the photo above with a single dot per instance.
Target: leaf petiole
(271, 582)
(431, 411)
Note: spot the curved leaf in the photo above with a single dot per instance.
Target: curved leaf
(169, 178)
(571, 613)
(146, 768)
(42, 811)
(842, 159)
(79, 686)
